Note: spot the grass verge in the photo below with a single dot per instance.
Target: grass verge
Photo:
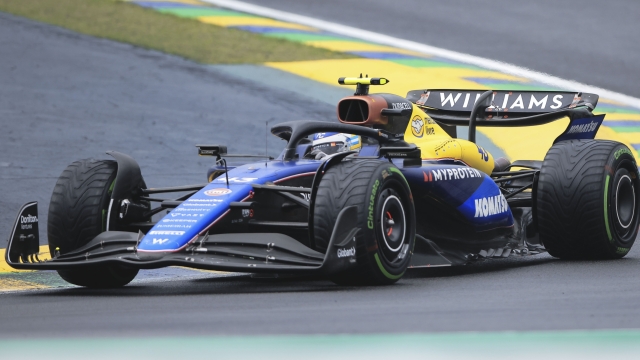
(129, 23)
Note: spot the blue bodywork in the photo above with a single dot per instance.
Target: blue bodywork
(467, 191)
(196, 215)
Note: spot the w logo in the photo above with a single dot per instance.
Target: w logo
(159, 241)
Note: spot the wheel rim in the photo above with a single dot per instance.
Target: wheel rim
(392, 227)
(623, 214)
(625, 202)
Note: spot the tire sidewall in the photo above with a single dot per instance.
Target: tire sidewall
(620, 158)
(386, 176)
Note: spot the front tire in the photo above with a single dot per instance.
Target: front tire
(77, 213)
(386, 218)
(588, 200)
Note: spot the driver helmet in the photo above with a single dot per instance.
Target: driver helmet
(333, 142)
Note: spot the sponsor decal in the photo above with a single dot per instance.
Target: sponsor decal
(441, 146)
(181, 209)
(159, 241)
(238, 180)
(247, 213)
(26, 222)
(417, 126)
(199, 204)
(484, 155)
(621, 151)
(204, 200)
(218, 192)
(173, 226)
(179, 220)
(167, 232)
(430, 130)
(306, 196)
(175, 214)
(525, 101)
(372, 200)
(622, 250)
(401, 106)
(583, 128)
(347, 252)
(28, 219)
(318, 136)
(207, 152)
(451, 174)
(493, 205)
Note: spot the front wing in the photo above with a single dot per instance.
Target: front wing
(236, 252)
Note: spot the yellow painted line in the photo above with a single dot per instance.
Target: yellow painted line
(190, 2)
(4, 267)
(346, 46)
(403, 78)
(517, 143)
(612, 102)
(628, 136)
(614, 116)
(227, 21)
(8, 284)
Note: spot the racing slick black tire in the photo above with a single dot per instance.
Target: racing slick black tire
(386, 218)
(77, 213)
(588, 200)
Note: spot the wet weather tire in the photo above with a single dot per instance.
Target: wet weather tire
(77, 213)
(588, 200)
(386, 217)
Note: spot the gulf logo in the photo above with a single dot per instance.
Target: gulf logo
(218, 192)
(417, 126)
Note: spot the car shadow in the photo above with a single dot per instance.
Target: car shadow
(247, 284)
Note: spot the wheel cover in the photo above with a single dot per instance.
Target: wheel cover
(625, 201)
(623, 210)
(392, 227)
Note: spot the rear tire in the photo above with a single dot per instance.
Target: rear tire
(77, 213)
(386, 218)
(588, 200)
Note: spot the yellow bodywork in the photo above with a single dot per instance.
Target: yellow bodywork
(436, 144)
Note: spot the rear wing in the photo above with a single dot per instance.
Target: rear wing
(503, 108)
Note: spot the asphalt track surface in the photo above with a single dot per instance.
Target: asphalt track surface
(589, 41)
(65, 96)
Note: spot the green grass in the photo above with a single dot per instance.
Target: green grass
(129, 23)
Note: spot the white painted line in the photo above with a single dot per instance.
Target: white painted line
(374, 37)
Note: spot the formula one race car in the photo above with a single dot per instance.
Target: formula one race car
(387, 188)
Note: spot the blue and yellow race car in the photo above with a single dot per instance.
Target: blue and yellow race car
(387, 188)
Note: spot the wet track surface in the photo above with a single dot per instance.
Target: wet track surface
(520, 294)
(64, 96)
(589, 41)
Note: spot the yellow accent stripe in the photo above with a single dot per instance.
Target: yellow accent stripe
(227, 21)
